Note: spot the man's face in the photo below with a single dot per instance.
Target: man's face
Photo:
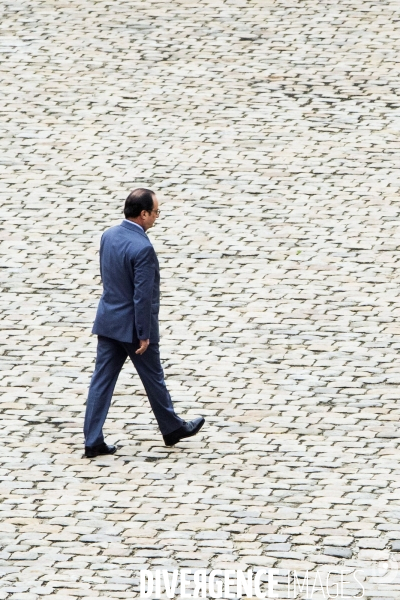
(150, 217)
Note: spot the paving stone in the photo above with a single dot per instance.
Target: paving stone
(338, 552)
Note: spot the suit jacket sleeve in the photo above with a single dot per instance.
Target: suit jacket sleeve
(144, 275)
(100, 257)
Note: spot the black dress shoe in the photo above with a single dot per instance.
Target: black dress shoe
(92, 451)
(187, 430)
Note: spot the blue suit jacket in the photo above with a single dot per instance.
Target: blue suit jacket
(128, 309)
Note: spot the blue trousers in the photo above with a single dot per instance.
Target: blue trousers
(111, 356)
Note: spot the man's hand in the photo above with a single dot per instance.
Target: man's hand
(143, 345)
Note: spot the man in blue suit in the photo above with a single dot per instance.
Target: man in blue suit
(127, 325)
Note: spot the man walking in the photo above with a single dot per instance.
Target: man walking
(127, 325)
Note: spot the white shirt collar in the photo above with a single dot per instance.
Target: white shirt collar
(133, 223)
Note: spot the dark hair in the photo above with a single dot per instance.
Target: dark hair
(138, 200)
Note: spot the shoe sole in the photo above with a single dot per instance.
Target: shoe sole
(100, 454)
(184, 437)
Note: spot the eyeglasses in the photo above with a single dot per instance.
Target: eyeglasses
(156, 211)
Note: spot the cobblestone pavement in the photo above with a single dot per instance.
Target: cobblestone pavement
(270, 131)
